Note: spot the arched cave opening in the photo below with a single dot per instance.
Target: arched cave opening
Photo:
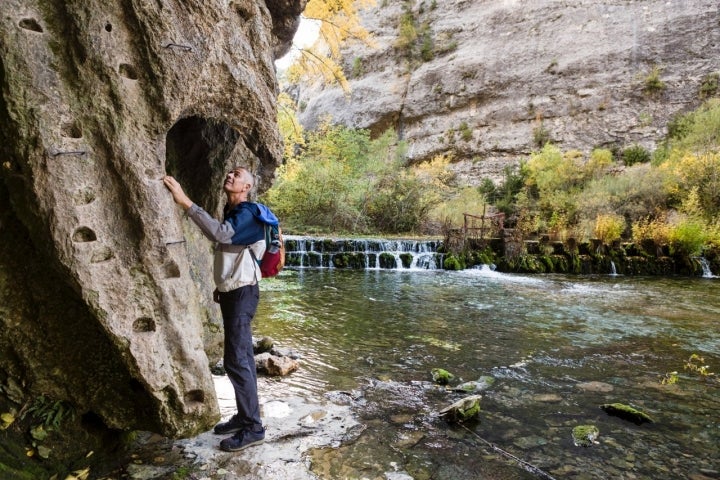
(197, 149)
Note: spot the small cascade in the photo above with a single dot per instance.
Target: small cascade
(613, 271)
(359, 254)
(705, 267)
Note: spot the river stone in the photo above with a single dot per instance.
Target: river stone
(475, 386)
(526, 443)
(462, 410)
(547, 398)
(275, 366)
(595, 386)
(262, 345)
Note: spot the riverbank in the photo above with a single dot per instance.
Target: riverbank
(296, 423)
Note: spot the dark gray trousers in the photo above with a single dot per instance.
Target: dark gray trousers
(238, 309)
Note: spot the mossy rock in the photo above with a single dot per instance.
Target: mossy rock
(387, 260)
(626, 412)
(585, 435)
(463, 410)
(453, 262)
(441, 376)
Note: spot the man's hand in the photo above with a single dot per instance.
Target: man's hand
(177, 192)
(216, 296)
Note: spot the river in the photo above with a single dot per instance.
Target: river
(558, 347)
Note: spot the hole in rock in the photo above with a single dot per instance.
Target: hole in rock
(84, 196)
(136, 386)
(71, 130)
(93, 422)
(195, 396)
(128, 71)
(171, 270)
(30, 24)
(197, 149)
(144, 324)
(242, 12)
(108, 27)
(84, 234)
(102, 255)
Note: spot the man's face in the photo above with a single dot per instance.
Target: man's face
(237, 181)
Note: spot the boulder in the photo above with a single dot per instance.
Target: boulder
(105, 297)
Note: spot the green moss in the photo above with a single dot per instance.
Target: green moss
(406, 259)
(626, 412)
(441, 376)
(585, 435)
(454, 262)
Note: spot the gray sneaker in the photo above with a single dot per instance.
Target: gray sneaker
(242, 439)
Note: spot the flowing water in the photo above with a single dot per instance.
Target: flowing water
(558, 347)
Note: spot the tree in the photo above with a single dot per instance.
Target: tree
(339, 22)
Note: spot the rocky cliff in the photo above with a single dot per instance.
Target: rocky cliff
(104, 296)
(489, 80)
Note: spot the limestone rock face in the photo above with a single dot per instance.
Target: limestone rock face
(517, 72)
(105, 295)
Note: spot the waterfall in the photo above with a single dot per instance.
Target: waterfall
(613, 272)
(367, 254)
(705, 267)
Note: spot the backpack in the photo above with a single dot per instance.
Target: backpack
(273, 259)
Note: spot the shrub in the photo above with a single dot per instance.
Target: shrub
(652, 83)
(357, 67)
(635, 154)
(688, 236)
(541, 135)
(407, 33)
(654, 229)
(400, 204)
(427, 52)
(452, 209)
(600, 160)
(698, 174)
(638, 192)
(709, 85)
(465, 132)
(609, 227)
(697, 132)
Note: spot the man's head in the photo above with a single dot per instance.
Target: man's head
(238, 183)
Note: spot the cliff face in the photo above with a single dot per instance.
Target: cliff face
(489, 80)
(104, 294)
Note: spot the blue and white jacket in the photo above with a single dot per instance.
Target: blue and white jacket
(242, 229)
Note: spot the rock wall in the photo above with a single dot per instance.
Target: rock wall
(518, 72)
(105, 295)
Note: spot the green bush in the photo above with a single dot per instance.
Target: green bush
(357, 67)
(688, 236)
(465, 132)
(709, 85)
(407, 33)
(697, 131)
(635, 154)
(652, 83)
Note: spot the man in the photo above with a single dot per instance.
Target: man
(240, 241)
